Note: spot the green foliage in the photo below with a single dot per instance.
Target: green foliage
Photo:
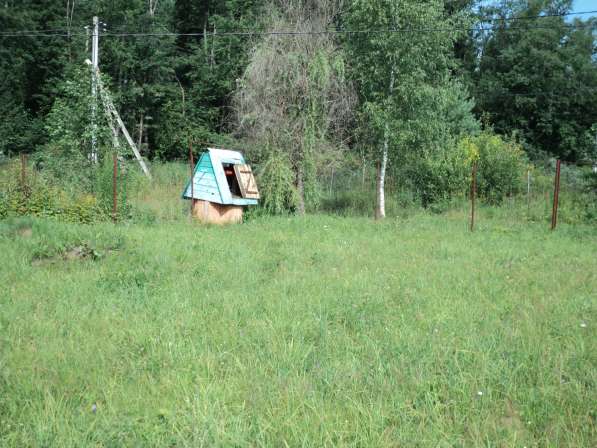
(539, 77)
(43, 196)
(501, 166)
(103, 188)
(294, 96)
(402, 82)
(277, 184)
(19, 132)
(69, 130)
(590, 195)
(441, 176)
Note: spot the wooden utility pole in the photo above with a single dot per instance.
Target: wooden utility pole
(96, 86)
(94, 66)
(112, 112)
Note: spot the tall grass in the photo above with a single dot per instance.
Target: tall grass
(298, 332)
(161, 198)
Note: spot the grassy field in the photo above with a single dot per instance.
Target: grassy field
(317, 331)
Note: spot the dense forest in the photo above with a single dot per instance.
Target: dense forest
(410, 87)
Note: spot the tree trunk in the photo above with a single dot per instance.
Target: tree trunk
(380, 211)
(300, 187)
(153, 4)
(140, 133)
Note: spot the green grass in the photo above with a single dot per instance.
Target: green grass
(299, 332)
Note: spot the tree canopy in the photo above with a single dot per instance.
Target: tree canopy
(175, 68)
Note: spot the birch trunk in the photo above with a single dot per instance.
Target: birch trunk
(380, 211)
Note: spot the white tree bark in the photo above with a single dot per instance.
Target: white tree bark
(153, 4)
(380, 211)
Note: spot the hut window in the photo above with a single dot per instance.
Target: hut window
(231, 179)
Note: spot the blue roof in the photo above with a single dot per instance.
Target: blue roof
(209, 180)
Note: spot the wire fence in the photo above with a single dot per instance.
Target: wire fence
(350, 191)
(341, 190)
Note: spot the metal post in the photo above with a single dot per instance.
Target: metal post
(556, 197)
(192, 162)
(473, 194)
(94, 67)
(114, 189)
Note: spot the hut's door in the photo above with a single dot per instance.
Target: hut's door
(246, 181)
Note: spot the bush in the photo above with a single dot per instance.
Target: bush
(437, 178)
(442, 176)
(501, 164)
(104, 187)
(276, 185)
(41, 196)
(588, 197)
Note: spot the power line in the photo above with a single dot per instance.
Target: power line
(212, 33)
(480, 19)
(308, 33)
(543, 16)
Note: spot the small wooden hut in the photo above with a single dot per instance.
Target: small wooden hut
(221, 186)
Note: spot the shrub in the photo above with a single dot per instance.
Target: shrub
(41, 196)
(589, 195)
(276, 185)
(439, 177)
(500, 166)
(104, 187)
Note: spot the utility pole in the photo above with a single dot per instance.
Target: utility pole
(94, 66)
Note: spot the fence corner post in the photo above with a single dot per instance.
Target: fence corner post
(556, 197)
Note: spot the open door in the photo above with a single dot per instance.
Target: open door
(246, 182)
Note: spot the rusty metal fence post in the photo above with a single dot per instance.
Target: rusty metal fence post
(114, 187)
(556, 197)
(473, 195)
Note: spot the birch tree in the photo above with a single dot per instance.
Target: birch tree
(400, 57)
